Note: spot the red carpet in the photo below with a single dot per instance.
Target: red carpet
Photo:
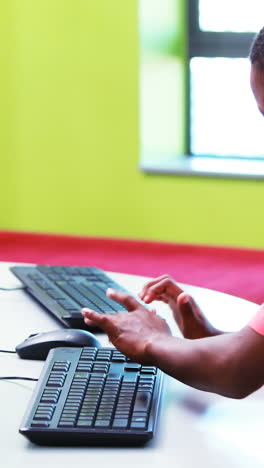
(230, 270)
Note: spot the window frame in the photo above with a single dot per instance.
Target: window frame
(205, 44)
(210, 44)
(214, 43)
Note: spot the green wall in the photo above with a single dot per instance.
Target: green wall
(69, 120)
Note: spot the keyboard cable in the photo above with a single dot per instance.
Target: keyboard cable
(14, 377)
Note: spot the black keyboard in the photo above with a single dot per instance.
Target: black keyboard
(64, 290)
(93, 396)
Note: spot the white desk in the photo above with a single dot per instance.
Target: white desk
(196, 429)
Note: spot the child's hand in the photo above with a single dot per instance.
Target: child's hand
(131, 333)
(187, 314)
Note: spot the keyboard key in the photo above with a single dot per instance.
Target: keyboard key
(132, 367)
(138, 425)
(142, 401)
(88, 422)
(102, 423)
(120, 423)
(68, 305)
(55, 294)
(40, 424)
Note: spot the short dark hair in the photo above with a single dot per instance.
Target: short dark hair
(256, 54)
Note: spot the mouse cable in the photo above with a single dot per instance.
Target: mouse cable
(12, 289)
(11, 377)
(14, 377)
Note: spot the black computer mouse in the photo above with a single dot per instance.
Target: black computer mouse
(37, 346)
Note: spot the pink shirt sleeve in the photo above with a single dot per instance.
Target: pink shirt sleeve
(257, 322)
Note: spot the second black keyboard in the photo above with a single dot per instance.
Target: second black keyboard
(65, 290)
(93, 396)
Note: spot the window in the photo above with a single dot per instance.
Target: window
(223, 117)
(195, 96)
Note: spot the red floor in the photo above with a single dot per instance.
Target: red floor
(231, 270)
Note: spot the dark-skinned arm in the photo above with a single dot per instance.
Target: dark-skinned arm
(228, 364)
